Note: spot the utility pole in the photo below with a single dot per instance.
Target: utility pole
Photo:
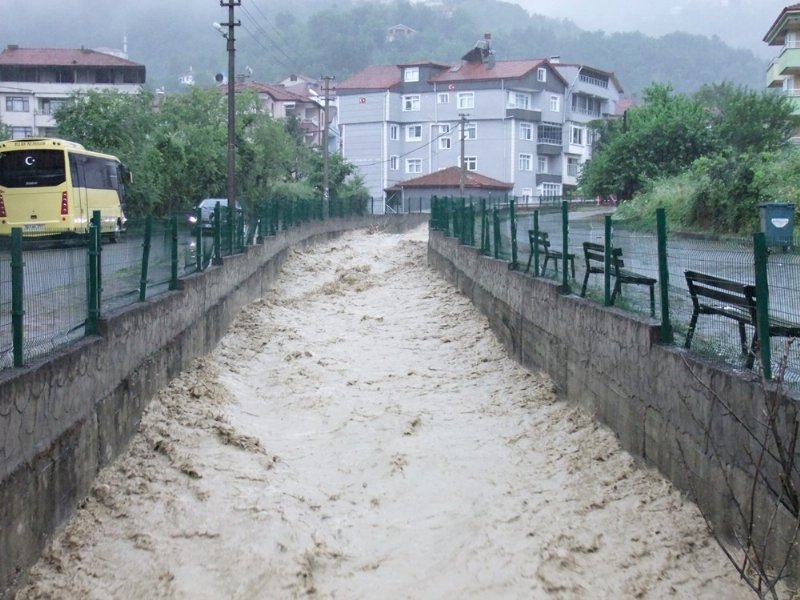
(231, 24)
(463, 174)
(325, 174)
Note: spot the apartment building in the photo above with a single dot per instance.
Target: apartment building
(783, 72)
(522, 121)
(34, 82)
(281, 103)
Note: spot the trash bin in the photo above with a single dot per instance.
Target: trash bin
(777, 223)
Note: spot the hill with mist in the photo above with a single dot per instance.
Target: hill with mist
(316, 40)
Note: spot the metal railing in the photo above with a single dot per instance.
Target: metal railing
(500, 230)
(54, 292)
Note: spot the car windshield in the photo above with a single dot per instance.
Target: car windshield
(212, 202)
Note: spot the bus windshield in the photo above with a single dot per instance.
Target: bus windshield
(32, 168)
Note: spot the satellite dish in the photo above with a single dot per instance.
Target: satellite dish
(219, 77)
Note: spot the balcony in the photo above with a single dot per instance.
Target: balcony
(547, 178)
(547, 149)
(774, 77)
(789, 61)
(524, 114)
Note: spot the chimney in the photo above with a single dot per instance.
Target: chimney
(13, 47)
(555, 59)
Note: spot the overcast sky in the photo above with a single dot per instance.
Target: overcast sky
(739, 23)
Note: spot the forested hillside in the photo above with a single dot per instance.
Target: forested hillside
(276, 41)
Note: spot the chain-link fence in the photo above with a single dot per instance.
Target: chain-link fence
(53, 291)
(646, 273)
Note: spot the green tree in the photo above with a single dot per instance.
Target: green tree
(745, 120)
(660, 138)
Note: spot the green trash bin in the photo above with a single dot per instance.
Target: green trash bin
(777, 223)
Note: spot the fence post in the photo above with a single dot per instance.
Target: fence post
(93, 317)
(484, 228)
(173, 282)
(496, 230)
(565, 289)
(513, 215)
(148, 232)
(217, 233)
(17, 298)
(667, 335)
(535, 248)
(198, 240)
(471, 219)
(761, 255)
(607, 261)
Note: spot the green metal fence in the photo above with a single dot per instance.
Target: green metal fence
(53, 292)
(501, 230)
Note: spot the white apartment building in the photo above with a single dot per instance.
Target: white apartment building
(523, 121)
(34, 82)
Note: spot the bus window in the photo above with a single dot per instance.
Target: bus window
(32, 168)
(93, 172)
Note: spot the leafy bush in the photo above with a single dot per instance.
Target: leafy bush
(674, 194)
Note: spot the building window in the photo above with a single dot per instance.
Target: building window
(576, 135)
(20, 132)
(573, 166)
(394, 163)
(443, 98)
(471, 131)
(49, 106)
(17, 104)
(413, 165)
(527, 195)
(465, 100)
(470, 163)
(585, 105)
(549, 133)
(541, 74)
(411, 103)
(411, 74)
(551, 189)
(394, 132)
(413, 133)
(520, 100)
(526, 131)
(445, 143)
(555, 103)
(541, 164)
(525, 162)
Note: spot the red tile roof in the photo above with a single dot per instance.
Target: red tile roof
(62, 58)
(503, 69)
(387, 77)
(451, 178)
(374, 77)
(772, 34)
(277, 92)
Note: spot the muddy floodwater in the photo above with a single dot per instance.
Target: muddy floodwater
(360, 433)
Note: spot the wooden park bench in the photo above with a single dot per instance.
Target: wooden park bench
(541, 241)
(594, 254)
(712, 295)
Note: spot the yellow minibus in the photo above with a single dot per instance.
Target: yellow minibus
(50, 187)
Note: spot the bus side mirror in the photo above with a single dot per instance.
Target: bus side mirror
(125, 174)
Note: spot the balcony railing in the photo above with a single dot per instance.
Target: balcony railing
(594, 80)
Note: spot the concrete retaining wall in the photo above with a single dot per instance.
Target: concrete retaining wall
(65, 417)
(695, 420)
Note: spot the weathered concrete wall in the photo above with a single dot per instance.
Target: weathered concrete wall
(697, 421)
(65, 417)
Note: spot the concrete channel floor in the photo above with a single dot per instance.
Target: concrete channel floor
(360, 433)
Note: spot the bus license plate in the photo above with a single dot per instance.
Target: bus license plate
(33, 227)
